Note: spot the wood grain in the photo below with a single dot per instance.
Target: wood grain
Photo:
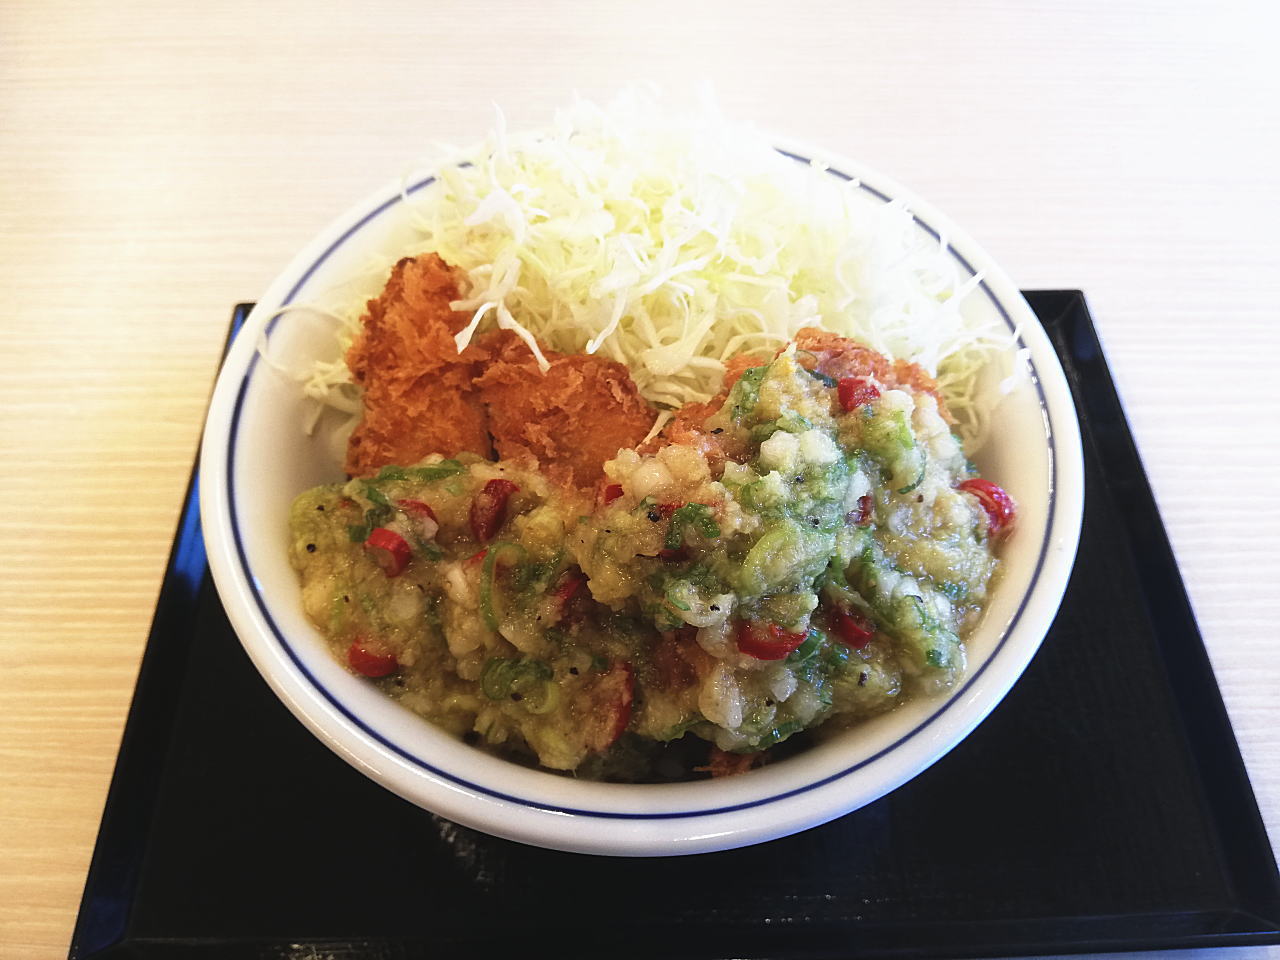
(163, 161)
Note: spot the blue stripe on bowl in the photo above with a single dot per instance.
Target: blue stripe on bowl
(417, 761)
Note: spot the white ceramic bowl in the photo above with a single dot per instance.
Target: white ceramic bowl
(255, 459)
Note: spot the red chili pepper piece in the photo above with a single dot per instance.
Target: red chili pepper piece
(608, 699)
(417, 508)
(1001, 510)
(676, 555)
(863, 516)
(856, 391)
(570, 584)
(766, 641)
(566, 590)
(852, 630)
(489, 508)
(389, 550)
(667, 509)
(370, 658)
(611, 493)
(475, 558)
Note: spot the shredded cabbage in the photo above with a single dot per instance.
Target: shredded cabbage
(671, 242)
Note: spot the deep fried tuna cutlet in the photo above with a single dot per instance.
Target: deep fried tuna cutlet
(571, 419)
(422, 397)
(419, 396)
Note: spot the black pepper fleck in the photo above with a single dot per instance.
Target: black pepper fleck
(574, 671)
(715, 608)
(920, 499)
(311, 548)
(655, 516)
(718, 430)
(797, 479)
(813, 521)
(517, 697)
(320, 507)
(346, 599)
(862, 679)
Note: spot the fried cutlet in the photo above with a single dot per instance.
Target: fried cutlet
(419, 394)
(571, 419)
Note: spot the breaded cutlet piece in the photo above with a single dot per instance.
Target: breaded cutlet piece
(571, 419)
(419, 393)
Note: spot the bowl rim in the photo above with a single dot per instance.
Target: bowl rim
(643, 823)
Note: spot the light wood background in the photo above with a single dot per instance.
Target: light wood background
(160, 161)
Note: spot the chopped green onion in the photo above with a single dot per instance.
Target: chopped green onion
(492, 607)
(429, 474)
(919, 478)
(524, 680)
(698, 515)
(905, 436)
(427, 548)
(674, 591)
(374, 495)
(435, 472)
(812, 641)
(746, 392)
(536, 573)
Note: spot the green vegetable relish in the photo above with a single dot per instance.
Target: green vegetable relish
(809, 564)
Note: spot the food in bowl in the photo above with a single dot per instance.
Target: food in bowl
(609, 224)
(531, 571)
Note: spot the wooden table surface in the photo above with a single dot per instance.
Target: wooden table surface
(161, 161)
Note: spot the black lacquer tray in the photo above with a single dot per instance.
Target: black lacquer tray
(1102, 806)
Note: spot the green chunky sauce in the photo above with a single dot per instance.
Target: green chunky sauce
(811, 563)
